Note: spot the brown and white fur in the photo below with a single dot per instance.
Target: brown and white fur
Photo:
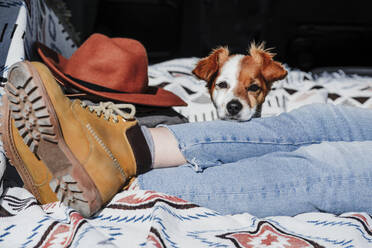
(238, 84)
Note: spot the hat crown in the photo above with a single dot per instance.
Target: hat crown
(119, 64)
(110, 68)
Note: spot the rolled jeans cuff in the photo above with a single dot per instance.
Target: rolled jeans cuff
(194, 160)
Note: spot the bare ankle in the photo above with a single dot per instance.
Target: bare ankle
(166, 149)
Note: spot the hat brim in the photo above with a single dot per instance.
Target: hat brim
(153, 96)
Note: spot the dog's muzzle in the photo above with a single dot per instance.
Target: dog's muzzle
(233, 107)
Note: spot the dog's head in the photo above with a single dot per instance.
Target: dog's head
(238, 84)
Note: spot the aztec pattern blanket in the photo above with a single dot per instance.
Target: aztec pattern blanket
(138, 218)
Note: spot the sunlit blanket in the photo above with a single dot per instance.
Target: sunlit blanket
(138, 218)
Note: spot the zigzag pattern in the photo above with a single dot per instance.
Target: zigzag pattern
(206, 241)
(4, 68)
(358, 227)
(330, 241)
(8, 4)
(147, 217)
(6, 231)
(163, 231)
(14, 203)
(35, 232)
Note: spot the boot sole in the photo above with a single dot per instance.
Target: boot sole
(38, 125)
(11, 151)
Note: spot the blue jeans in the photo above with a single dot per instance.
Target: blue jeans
(316, 158)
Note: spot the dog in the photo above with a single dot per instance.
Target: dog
(238, 84)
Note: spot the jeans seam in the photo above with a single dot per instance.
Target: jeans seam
(256, 142)
(367, 179)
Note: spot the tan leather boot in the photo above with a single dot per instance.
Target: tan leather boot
(91, 152)
(34, 173)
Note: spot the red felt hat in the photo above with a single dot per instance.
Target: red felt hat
(112, 68)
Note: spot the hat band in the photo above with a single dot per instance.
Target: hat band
(94, 87)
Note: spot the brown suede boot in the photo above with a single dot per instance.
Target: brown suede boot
(34, 173)
(91, 152)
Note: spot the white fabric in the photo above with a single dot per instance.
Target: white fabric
(137, 218)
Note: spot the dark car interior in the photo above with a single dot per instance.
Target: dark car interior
(309, 35)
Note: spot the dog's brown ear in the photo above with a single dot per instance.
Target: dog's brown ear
(274, 71)
(207, 67)
(271, 70)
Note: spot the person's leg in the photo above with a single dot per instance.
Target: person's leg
(334, 177)
(213, 143)
(165, 148)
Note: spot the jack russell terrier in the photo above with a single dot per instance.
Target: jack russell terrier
(238, 84)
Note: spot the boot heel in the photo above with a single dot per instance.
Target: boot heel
(69, 192)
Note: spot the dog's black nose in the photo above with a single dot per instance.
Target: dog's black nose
(234, 107)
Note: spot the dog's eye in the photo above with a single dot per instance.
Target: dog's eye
(222, 85)
(253, 87)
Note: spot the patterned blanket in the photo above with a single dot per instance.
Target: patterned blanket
(138, 218)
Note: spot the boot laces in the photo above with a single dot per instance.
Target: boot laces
(110, 109)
